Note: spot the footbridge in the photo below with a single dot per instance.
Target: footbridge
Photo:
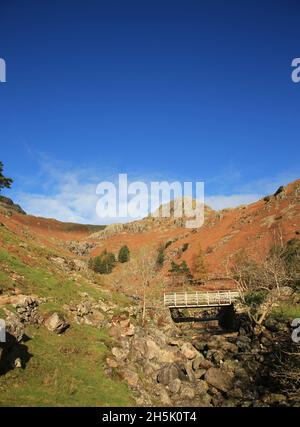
(200, 299)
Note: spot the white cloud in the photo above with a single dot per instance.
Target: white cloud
(222, 202)
(69, 194)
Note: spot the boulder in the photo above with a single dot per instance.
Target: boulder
(219, 379)
(131, 377)
(197, 361)
(204, 401)
(175, 385)
(56, 322)
(199, 373)
(189, 371)
(119, 353)
(112, 363)
(14, 326)
(189, 351)
(187, 391)
(201, 387)
(168, 374)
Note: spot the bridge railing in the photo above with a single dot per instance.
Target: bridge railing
(200, 299)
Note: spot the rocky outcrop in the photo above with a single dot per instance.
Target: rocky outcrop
(27, 309)
(9, 355)
(66, 264)
(8, 206)
(79, 248)
(56, 323)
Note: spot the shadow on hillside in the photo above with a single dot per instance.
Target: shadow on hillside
(13, 350)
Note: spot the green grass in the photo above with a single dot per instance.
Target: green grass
(287, 312)
(64, 370)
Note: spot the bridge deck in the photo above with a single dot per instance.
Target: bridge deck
(200, 299)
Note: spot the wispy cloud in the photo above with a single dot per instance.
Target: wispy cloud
(222, 202)
(69, 194)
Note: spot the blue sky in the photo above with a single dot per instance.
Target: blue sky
(175, 90)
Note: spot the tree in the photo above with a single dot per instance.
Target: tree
(97, 265)
(262, 284)
(181, 273)
(160, 256)
(124, 254)
(4, 182)
(142, 269)
(91, 263)
(103, 263)
(199, 267)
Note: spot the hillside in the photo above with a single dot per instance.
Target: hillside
(76, 337)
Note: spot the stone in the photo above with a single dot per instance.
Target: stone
(129, 331)
(112, 363)
(175, 385)
(199, 373)
(167, 374)
(119, 353)
(14, 326)
(153, 350)
(197, 361)
(189, 351)
(230, 365)
(17, 363)
(56, 323)
(131, 377)
(200, 345)
(244, 343)
(187, 392)
(274, 399)
(205, 401)
(201, 387)
(125, 323)
(205, 364)
(165, 399)
(189, 371)
(216, 356)
(219, 379)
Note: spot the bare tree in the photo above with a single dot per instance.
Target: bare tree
(139, 271)
(266, 279)
(142, 268)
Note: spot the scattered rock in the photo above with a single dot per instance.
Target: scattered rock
(219, 379)
(112, 363)
(189, 351)
(56, 323)
(174, 385)
(168, 374)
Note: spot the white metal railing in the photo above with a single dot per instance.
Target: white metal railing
(200, 299)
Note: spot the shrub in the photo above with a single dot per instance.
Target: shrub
(160, 256)
(174, 267)
(4, 181)
(124, 254)
(103, 263)
(168, 243)
(199, 266)
(180, 268)
(184, 247)
(262, 283)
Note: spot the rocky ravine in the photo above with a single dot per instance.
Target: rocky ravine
(166, 363)
(181, 365)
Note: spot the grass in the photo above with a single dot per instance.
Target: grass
(66, 370)
(287, 312)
